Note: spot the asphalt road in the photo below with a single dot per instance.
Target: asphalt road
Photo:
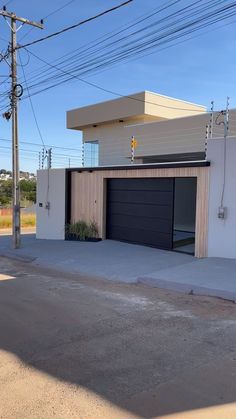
(76, 347)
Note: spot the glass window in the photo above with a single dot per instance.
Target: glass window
(91, 153)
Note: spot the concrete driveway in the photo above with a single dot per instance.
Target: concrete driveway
(129, 263)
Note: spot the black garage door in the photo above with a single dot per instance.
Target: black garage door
(141, 211)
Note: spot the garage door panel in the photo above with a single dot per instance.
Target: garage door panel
(144, 223)
(141, 211)
(161, 211)
(147, 184)
(143, 237)
(141, 197)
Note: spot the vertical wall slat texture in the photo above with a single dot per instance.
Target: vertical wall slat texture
(88, 203)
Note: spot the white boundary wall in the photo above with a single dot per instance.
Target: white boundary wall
(51, 189)
(222, 233)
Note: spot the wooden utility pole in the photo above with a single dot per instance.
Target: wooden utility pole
(16, 92)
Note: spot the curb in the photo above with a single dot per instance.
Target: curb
(188, 288)
(19, 258)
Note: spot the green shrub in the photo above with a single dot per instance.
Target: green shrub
(93, 229)
(81, 230)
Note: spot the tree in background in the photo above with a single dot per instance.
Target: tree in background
(5, 193)
(5, 172)
(27, 192)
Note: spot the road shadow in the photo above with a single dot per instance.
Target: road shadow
(122, 347)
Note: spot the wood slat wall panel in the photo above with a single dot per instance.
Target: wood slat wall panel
(88, 196)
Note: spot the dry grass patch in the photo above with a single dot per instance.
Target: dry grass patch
(27, 220)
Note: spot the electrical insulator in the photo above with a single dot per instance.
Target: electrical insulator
(43, 157)
(49, 158)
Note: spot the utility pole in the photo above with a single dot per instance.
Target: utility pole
(16, 92)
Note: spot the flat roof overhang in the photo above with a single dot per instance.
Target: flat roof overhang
(149, 105)
(170, 165)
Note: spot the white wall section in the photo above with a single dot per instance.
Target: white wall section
(51, 191)
(222, 233)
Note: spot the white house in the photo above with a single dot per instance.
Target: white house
(163, 190)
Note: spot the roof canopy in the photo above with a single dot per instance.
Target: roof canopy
(145, 105)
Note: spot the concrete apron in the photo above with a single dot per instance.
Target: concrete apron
(129, 263)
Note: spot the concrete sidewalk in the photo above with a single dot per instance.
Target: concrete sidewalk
(130, 263)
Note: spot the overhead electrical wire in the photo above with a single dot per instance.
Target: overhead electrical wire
(147, 45)
(184, 40)
(113, 92)
(62, 31)
(59, 155)
(6, 4)
(39, 145)
(157, 30)
(113, 33)
(32, 106)
(144, 16)
(187, 20)
(86, 47)
(170, 3)
(76, 25)
(49, 15)
(156, 23)
(73, 26)
(118, 55)
(59, 160)
(59, 9)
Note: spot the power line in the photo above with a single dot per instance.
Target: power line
(160, 10)
(150, 44)
(59, 155)
(113, 33)
(76, 25)
(129, 51)
(46, 145)
(111, 91)
(157, 22)
(59, 9)
(49, 15)
(166, 18)
(32, 106)
(10, 1)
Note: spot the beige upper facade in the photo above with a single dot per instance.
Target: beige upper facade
(144, 106)
(166, 129)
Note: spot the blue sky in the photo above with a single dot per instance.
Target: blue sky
(200, 70)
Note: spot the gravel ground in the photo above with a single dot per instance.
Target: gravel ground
(76, 347)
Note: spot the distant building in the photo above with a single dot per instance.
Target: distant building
(5, 176)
